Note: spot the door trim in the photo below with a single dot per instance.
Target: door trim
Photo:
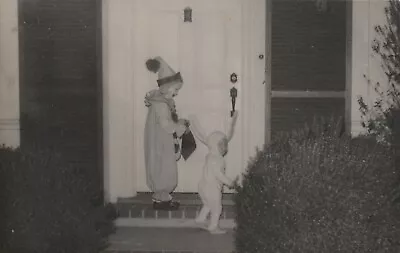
(118, 119)
(254, 41)
(268, 68)
(307, 94)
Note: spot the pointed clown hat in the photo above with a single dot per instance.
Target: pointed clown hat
(165, 73)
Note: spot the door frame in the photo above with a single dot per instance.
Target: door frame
(118, 135)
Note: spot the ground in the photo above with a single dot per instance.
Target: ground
(171, 240)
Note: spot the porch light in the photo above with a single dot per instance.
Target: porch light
(187, 15)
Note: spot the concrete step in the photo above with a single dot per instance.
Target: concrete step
(169, 240)
(139, 212)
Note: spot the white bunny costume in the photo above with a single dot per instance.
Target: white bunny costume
(213, 178)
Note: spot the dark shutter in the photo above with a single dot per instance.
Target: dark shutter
(308, 64)
(60, 60)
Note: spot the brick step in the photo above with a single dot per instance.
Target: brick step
(126, 210)
(171, 240)
(183, 198)
(139, 212)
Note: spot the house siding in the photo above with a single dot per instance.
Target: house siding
(60, 88)
(308, 54)
(396, 135)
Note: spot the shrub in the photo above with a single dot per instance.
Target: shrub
(318, 190)
(47, 206)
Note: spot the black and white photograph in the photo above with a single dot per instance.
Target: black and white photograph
(199, 126)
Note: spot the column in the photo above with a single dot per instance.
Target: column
(9, 74)
(363, 64)
(118, 136)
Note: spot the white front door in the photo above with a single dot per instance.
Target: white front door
(224, 37)
(206, 51)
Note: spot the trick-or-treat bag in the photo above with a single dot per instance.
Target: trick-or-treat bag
(188, 145)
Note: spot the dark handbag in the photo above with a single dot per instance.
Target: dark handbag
(188, 145)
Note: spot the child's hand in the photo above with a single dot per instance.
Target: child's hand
(147, 103)
(235, 115)
(231, 185)
(180, 130)
(184, 122)
(148, 95)
(237, 181)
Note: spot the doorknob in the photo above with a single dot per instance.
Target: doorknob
(234, 78)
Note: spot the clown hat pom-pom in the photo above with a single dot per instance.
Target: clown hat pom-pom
(153, 65)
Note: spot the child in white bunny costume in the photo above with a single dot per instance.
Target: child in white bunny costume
(213, 178)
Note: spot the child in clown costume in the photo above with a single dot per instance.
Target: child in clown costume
(162, 130)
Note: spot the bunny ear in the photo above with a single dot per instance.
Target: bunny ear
(231, 128)
(196, 129)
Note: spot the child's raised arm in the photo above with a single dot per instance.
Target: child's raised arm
(232, 125)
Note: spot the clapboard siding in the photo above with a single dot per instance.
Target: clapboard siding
(396, 136)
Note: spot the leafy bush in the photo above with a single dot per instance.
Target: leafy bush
(318, 190)
(47, 206)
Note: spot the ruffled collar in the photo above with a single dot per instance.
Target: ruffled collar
(155, 96)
